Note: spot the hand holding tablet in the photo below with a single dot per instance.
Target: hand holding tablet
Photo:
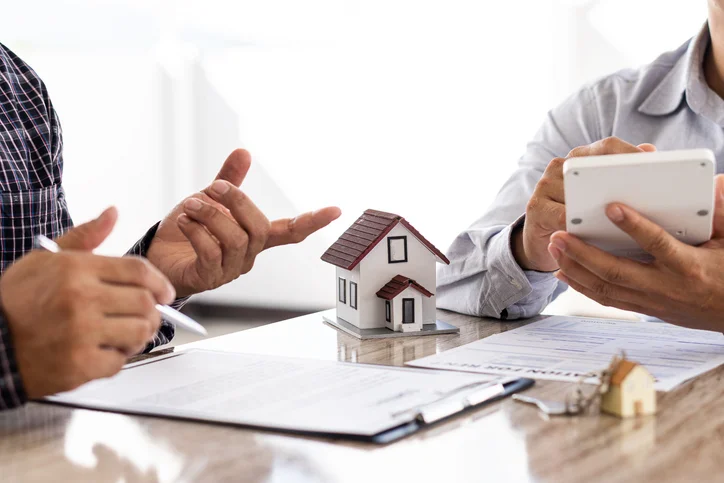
(673, 189)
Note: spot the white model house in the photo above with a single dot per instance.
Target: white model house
(386, 273)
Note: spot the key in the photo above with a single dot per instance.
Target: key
(551, 408)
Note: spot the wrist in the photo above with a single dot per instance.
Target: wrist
(517, 246)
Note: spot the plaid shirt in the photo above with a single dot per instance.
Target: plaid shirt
(32, 200)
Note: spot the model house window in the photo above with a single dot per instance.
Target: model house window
(397, 249)
(353, 295)
(342, 290)
(388, 311)
(408, 311)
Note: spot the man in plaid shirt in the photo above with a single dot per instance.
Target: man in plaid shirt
(70, 317)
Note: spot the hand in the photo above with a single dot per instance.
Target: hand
(214, 236)
(74, 316)
(545, 213)
(684, 285)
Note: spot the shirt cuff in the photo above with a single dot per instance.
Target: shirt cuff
(12, 390)
(510, 283)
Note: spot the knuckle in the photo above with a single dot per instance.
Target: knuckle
(248, 266)
(696, 271)
(602, 289)
(139, 267)
(264, 229)
(237, 195)
(214, 255)
(613, 275)
(146, 303)
(556, 164)
(608, 143)
(69, 265)
(577, 152)
(533, 204)
(544, 184)
(659, 242)
(210, 213)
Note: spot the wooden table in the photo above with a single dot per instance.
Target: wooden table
(506, 441)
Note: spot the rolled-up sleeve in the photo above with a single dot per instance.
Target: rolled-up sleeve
(483, 278)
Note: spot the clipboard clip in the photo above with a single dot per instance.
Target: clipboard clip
(447, 406)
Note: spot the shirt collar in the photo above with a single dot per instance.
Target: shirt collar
(666, 96)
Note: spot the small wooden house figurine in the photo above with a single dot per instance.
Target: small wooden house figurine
(631, 391)
(386, 274)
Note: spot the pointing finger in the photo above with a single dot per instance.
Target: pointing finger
(295, 230)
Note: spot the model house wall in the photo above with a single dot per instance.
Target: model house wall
(634, 395)
(396, 307)
(376, 271)
(346, 309)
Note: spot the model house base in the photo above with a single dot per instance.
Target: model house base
(439, 327)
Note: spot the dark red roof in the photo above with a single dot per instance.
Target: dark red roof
(397, 285)
(365, 234)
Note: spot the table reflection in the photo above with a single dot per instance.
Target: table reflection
(114, 444)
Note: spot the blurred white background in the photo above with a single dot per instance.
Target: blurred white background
(419, 107)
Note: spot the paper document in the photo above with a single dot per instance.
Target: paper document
(274, 392)
(566, 348)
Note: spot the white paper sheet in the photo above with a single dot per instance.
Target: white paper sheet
(275, 392)
(566, 348)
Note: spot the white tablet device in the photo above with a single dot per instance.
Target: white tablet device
(674, 189)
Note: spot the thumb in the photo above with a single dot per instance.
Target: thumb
(718, 228)
(647, 147)
(235, 167)
(91, 234)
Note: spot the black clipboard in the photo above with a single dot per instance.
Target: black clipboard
(419, 424)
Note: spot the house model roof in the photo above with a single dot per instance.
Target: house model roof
(397, 285)
(622, 370)
(365, 234)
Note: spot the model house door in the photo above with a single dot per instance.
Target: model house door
(408, 311)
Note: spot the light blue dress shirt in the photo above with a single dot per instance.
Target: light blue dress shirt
(667, 103)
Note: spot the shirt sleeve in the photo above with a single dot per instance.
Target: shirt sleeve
(483, 278)
(167, 330)
(12, 391)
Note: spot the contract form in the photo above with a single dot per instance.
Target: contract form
(377, 403)
(569, 348)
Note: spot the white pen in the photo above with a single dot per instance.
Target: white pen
(170, 314)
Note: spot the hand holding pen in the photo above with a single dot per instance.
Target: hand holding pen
(75, 316)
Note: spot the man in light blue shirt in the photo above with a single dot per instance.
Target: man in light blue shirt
(514, 260)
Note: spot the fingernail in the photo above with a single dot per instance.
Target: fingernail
(615, 214)
(192, 204)
(554, 251)
(219, 187)
(183, 219)
(559, 243)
